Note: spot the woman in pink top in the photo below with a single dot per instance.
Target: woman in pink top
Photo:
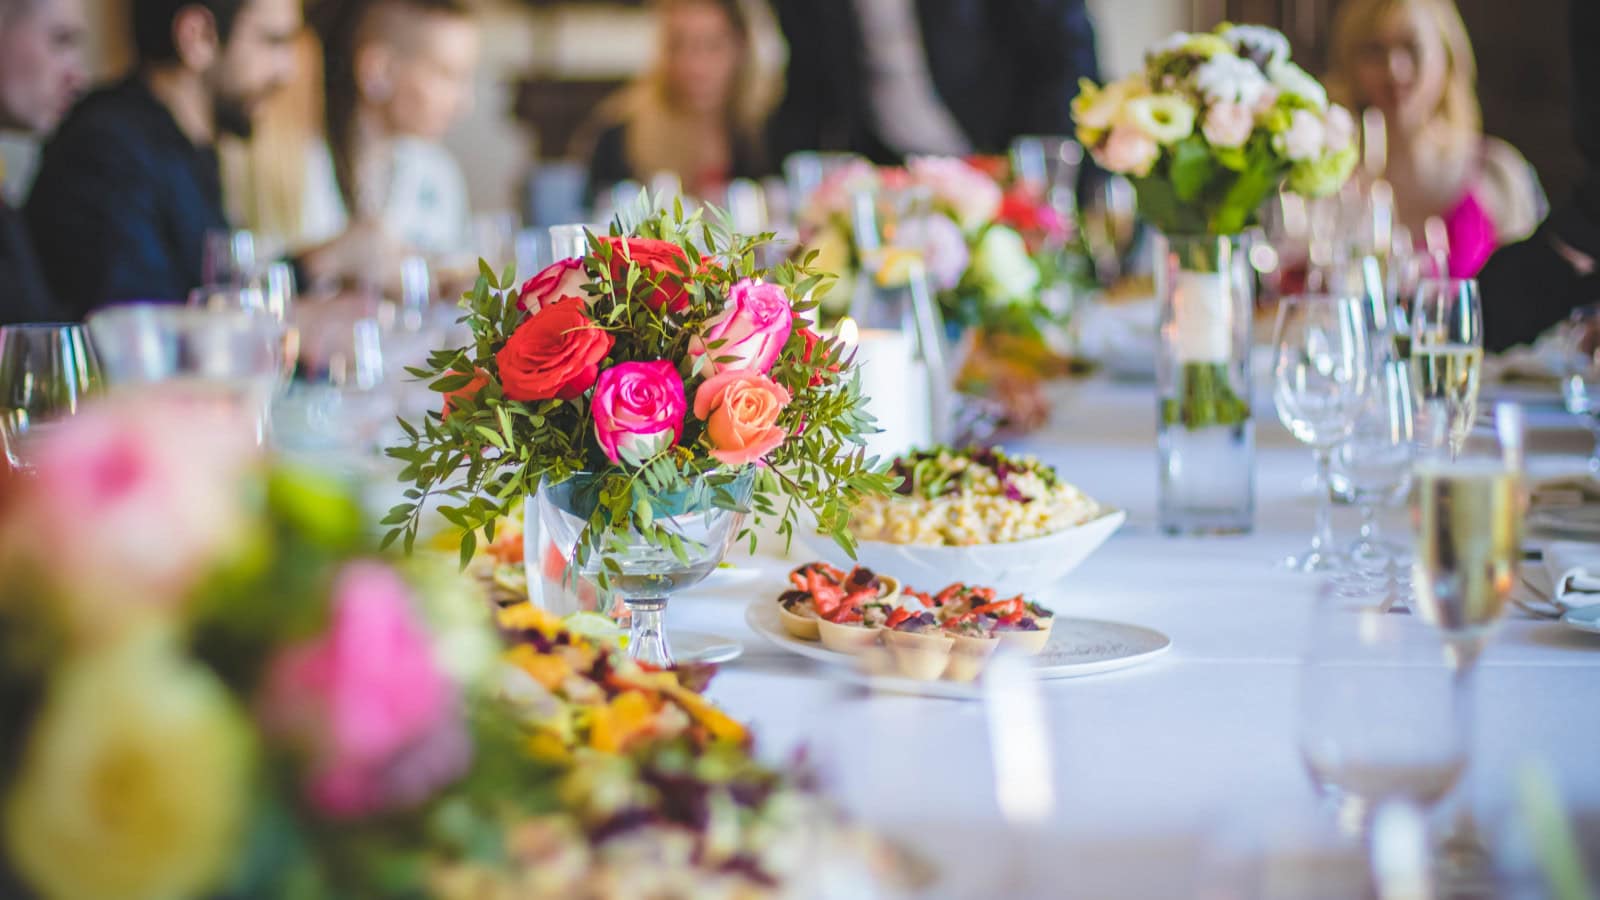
(1412, 61)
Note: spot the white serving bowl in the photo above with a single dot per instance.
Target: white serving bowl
(1017, 567)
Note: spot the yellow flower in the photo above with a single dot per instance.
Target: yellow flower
(135, 778)
(527, 617)
(547, 669)
(627, 718)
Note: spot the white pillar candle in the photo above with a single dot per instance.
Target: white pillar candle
(895, 384)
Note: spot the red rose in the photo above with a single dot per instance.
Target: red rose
(661, 263)
(1034, 219)
(470, 389)
(554, 354)
(995, 167)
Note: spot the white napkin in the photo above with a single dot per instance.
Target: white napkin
(1574, 569)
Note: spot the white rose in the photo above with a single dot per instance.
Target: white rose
(1341, 129)
(1259, 43)
(1304, 138)
(1290, 79)
(1229, 79)
(1003, 267)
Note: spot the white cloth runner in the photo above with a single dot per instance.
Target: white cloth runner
(1575, 572)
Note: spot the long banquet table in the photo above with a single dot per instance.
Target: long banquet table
(1162, 769)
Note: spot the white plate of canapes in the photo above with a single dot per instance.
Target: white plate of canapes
(919, 656)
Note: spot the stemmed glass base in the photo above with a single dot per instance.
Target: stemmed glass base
(647, 633)
(1316, 558)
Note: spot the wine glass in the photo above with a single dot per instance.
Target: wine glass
(1446, 360)
(1321, 380)
(231, 359)
(702, 520)
(1374, 464)
(46, 371)
(1110, 226)
(568, 241)
(1048, 166)
(341, 402)
(1469, 511)
(1380, 720)
(229, 257)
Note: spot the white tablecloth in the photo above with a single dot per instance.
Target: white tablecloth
(1160, 767)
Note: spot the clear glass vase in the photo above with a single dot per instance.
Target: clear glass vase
(1205, 433)
(642, 575)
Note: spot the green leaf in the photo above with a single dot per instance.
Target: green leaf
(1191, 168)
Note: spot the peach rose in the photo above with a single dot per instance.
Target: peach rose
(740, 409)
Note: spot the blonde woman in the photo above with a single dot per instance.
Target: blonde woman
(696, 114)
(1412, 61)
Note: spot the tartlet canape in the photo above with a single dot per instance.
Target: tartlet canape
(974, 643)
(919, 647)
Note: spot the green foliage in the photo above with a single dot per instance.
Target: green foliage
(1198, 189)
(491, 452)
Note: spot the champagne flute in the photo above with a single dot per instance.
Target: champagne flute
(1321, 379)
(1469, 543)
(1446, 360)
(1374, 464)
(46, 370)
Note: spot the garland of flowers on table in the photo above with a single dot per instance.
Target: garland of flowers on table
(212, 684)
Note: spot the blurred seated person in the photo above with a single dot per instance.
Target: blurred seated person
(1530, 286)
(397, 74)
(890, 78)
(41, 73)
(129, 186)
(1412, 61)
(694, 114)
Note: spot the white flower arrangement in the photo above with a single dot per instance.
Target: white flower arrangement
(1213, 125)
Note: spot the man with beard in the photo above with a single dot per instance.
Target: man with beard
(130, 185)
(41, 73)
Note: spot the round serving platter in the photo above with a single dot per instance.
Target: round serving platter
(1077, 647)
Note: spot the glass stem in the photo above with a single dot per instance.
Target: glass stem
(647, 634)
(1465, 858)
(1322, 537)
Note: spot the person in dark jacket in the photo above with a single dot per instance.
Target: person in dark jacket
(130, 184)
(1530, 286)
(889, 78)
(41, 73)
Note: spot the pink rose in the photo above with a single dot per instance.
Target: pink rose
(970, 195)
(740, 409)
(752, 329)
(1340, 129)
(940, 243)
(1228, 125)
(366, 702)
(1265, 102)
(1129, 151)
(564, 278)
(130, 505)
(638, 407)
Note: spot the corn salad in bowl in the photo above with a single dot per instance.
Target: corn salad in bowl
(978, 515)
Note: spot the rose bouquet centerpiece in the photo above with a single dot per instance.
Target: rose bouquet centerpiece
(645, 395)
(1213, 125)
(211, 685)
(990, 250)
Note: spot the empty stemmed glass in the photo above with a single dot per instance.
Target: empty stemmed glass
(1446, 359)
(229, 258)
(227, 359)
(46, 370)
(1321, 379)
(1380, 720)
(1374, 464)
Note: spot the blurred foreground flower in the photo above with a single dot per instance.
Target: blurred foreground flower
(135, 779)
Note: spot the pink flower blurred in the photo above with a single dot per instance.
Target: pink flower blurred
(131, 504)
(639, 407)
(562, 278)
(753, 327)
(1228, 125)
(1129, 152)
(972, 196)
(832, 196)
(367, 703)
(939, 242)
